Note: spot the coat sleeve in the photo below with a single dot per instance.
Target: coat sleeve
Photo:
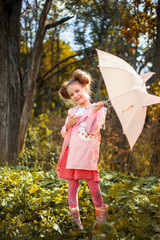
(95, 121)
(64, 132)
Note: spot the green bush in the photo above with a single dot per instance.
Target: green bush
(43, 146)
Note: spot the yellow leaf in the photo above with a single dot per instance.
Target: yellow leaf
(146, 163)
(32, 189)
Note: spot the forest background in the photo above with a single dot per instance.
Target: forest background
(41, 44)
(127, 29)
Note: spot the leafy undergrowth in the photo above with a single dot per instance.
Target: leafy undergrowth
(34, 205)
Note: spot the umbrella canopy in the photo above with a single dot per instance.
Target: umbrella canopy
(127, 93)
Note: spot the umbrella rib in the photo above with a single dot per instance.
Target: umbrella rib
(136, 89)
(133, 72)
(110, 99)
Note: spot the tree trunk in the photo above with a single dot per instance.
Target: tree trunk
(10, 104)
(155, 160)
(156, 65)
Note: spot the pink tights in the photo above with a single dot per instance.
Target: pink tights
(95, 190)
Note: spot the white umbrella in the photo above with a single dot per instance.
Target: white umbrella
(127, 93)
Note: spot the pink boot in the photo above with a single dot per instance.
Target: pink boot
(75, 216)
(101, 214)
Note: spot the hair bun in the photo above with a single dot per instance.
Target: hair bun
(63, 91)
(82, 76)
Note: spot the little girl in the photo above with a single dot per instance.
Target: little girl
(80, 150)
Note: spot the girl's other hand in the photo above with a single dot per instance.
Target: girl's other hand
(98, 106)
(72, 120)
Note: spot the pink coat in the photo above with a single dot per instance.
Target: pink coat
(83, 139)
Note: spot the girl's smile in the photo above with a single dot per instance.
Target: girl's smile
(78, 94)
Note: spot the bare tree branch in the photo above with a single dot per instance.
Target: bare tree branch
(88, 50)
(55, 24)
(38, 45)
(60, 69)
(25, 11)
(57, 64)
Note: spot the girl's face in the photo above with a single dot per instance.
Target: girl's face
(78, 94)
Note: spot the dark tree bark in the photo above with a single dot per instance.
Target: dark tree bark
(156, 64)
(10, 84)
(155, 160)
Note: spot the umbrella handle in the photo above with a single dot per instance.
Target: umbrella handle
(106, 101)
(103, 102)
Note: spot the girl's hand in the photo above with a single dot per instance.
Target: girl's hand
(72, 120)
(98, 106)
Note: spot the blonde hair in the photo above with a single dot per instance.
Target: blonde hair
(80, 76)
